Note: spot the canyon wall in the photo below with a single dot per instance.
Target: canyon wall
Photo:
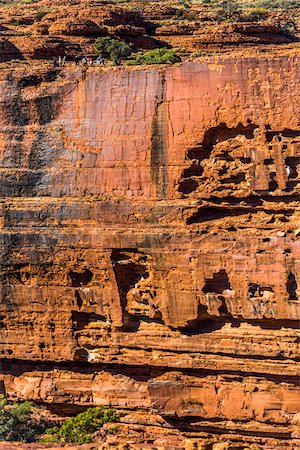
(150, 252)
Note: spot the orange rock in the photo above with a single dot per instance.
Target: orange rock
(149, 256)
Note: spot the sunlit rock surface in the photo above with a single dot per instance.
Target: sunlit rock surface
(150, 242)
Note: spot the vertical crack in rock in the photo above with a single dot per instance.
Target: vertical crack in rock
(158, 144)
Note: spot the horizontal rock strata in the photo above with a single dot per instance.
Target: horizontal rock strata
(150, 253)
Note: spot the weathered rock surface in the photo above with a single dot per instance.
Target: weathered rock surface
(190, 27)
(150, 242)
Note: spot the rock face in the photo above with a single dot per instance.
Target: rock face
(150, 253)
(43, 28)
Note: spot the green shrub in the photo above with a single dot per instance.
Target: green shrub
(14, 23)
(25, 2)
(113, 429)
(185, 4)
(18, 422)
(158, 56)
(3, 401)
(179, 12)
(79, 429)
(289, 28)
(113, 49)
(278, 4)
(254, 15)
(40, 14)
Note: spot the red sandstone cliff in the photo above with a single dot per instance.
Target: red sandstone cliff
(150, 242)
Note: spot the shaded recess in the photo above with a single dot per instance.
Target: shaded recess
(292, 164)
(217, 284)
(284, 133)
(216, 290)
(208, 213)
(130, 266)
(80, 278)
(291, 287)
(9, 51)
(82, 319)
(255, 290)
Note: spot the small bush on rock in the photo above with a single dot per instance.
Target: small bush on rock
(42, 13)
(79, 429)
(158, 56)
(20, 422)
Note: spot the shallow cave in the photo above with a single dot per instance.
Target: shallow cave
(80, 278)
(199, 153)
(273, 185)
(194, 170)
(217, 284)
(129, 267)
(223, 133)
(293, 162)
(186, 186)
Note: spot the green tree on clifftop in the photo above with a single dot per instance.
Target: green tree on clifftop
(112, 49)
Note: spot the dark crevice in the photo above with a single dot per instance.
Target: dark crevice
(291, 287)
(145, 373)
(207, 213)
(194, 424)
(82, 319)
(78, 299)
(273, 185)
(254, 200)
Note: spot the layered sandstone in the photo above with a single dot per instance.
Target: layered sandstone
(150, 242)
(42, 29)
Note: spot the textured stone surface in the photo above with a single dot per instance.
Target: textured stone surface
(43, 29)
(150, 242)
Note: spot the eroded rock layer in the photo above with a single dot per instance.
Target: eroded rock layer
(150, 253)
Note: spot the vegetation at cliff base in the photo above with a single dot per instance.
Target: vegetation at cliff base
(79, 429)
(112, 49)
(157, 56)
(20, 422)
(27, 422)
